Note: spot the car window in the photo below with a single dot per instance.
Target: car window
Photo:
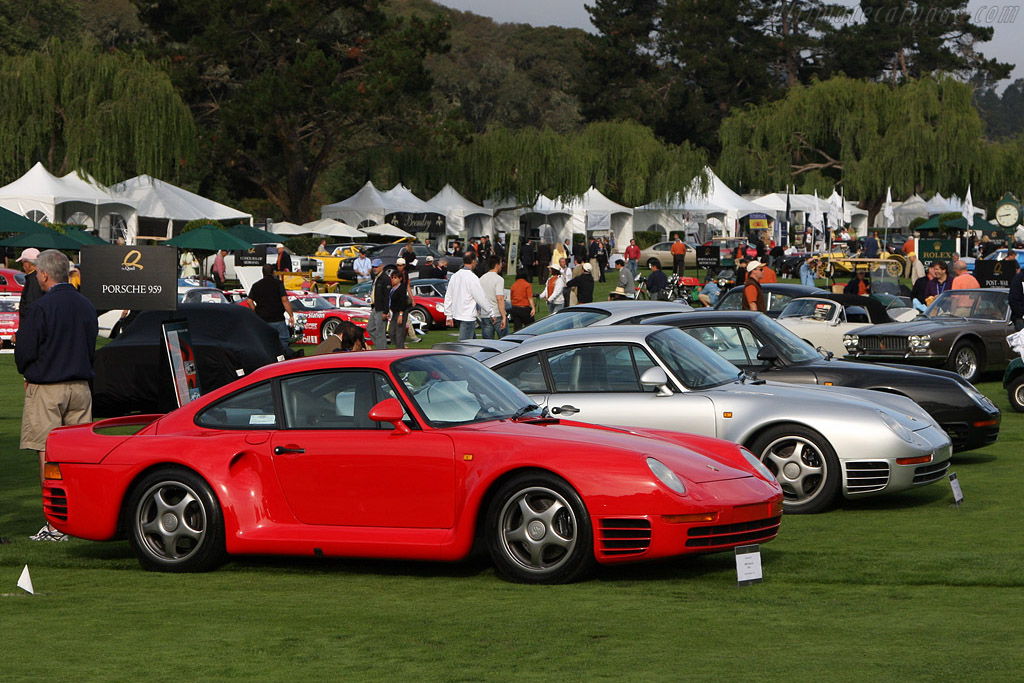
(568, 319)
(604, 368)
(328, 400)
(690, 361)
(3, 280)
(969, 304)
(251, 408)
(732, 300)
(815, 309)
(727, 341)
(527, 373)
(777, 301)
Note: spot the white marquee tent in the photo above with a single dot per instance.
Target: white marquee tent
(684, 211)
(462, 217)
(42, 196)
(368, 206)
(164, 209)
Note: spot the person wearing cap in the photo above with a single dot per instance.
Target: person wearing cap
(583, 284)
(55, 352)
(398, 306)
(427, 267)
(554, 288)
(284, 259)
(440, 269)
(753, 295)
(362, 266)
(32, 291)
(462, 298)
(377, 325)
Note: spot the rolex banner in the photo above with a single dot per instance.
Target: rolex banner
(136, 278)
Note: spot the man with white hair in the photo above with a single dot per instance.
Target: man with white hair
(55, 349)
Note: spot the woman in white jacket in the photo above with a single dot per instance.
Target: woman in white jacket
(553, 291)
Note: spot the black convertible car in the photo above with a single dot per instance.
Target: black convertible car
(757, 344)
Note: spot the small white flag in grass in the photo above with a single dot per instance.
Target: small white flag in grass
(25, 582)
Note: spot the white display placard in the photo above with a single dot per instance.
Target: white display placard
(958, 494)
(748, 565)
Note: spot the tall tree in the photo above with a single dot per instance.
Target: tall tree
(26, 26)
(899, 40)
(112, 114)
(284, 88)
(863, 136)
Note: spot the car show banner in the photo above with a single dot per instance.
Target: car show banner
(131, 277)
(993, 273)
(185, 377)
(709, 257)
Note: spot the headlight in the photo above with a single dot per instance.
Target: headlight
(362, 321)
(851, 341)
(981, 399)
(761, 468)
(666, 476)
(440, 308)
(919, 342)
(896, 428)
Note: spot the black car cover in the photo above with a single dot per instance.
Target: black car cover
(132, 371)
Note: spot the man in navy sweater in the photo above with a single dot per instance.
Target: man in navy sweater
(55, 349)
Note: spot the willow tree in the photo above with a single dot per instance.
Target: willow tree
(622, 159)
(112, 114)
(862, 136)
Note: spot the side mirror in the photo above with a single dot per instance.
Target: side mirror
(767, 354)
(656, 377)
(390, 410)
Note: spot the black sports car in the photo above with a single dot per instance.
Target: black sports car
(756, 343)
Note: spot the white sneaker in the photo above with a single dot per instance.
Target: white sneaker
(48, 533)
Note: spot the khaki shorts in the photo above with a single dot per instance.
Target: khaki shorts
(52, 405)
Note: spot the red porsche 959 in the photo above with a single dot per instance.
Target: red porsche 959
(400, 454)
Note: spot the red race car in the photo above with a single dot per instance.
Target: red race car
(11, 281)
(9, 318)
(399, 454)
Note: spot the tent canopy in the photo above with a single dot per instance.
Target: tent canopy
(161, 205)
(368, 205)
(462, 215)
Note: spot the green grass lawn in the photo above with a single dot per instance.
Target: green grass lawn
(903, 587)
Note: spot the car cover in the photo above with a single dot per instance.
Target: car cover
(133, 374)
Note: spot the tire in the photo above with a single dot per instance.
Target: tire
(175, 523)
(1015, 394)
(539, 531)
(330, 326)
(418, 314)
(805, 465)
(965, 360)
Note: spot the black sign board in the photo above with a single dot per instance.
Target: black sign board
(432, 223)
(256, 256)
(709, 257)
(137, 278)
(994, 273)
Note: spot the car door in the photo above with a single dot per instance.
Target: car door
(600, 384)
(338, 467)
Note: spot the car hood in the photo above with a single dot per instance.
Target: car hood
(694, 462)
(810, 399)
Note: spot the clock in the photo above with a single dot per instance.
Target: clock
(1008, 211)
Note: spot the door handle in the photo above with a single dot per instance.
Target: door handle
(281, 450)
(566, 409)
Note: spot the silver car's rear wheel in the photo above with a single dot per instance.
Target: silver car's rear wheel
(539, 531)
(176, 523)
(329, 327)
(804, 464)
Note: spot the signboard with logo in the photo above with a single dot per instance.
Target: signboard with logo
(432, 223)
(931, 250)
(132, 277)
(256, 256)
(993, 273)
(180, 355)
(709, 257)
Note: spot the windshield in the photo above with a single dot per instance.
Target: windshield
(568, 319)
(695, 365)
(451, 389)
(818, 309)
(969, 303)
(792, 348)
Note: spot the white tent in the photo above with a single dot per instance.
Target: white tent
(718, 204)
(461, 216)
(368, 206)
(285, 228)
(386, 230)
(42, 196)
(953, 204)
(907, 211)
(587, 214)
(163, 206)
(332, 228)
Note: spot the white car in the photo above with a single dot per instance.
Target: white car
(822, 320)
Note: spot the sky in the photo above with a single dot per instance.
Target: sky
(1004, 46)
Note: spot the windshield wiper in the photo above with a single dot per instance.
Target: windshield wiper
(523, 411)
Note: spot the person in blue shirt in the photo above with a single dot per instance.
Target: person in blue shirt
(710, 293)
(808, 270)
(657, 282)
(871, 246)
(55, 348)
